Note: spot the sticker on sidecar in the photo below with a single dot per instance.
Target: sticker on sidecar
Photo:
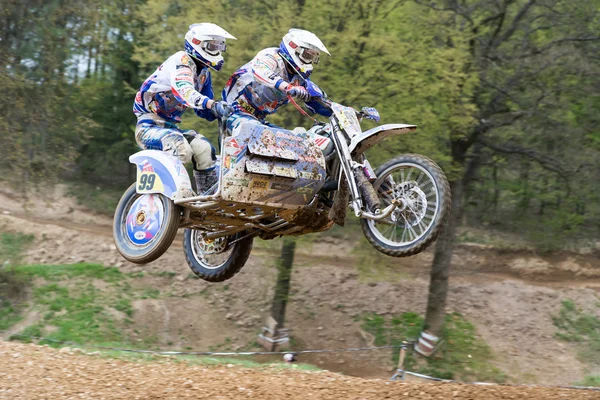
(256, 184)
(144, 219)
(149, 182)
(154, 177)
(268, 168)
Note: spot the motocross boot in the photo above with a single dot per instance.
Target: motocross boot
(205, 180)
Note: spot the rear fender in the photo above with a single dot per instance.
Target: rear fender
(159, 172)
(361, 143)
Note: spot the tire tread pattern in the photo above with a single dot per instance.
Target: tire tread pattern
(231, 267)
(443, 213)
(170, 226)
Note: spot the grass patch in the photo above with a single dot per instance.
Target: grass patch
(202, 360)
(150, 293)
(12, 246)
(8, 315)
(61, 272)
(78, 315)
(165, 274)
(574, 325)
(592, 381)
(463, 357)
(12, 285)
(73, 308)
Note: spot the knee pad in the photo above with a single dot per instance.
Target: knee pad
(203, 153)
(177, 146)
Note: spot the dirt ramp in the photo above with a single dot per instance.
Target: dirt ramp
(29, 371)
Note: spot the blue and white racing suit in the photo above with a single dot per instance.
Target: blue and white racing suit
(254, 90)
(175, 86)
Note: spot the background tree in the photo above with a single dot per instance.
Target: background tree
(284, 266)
(505, 94)
(529, 58)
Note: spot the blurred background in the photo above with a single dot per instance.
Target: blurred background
(506, 97)
(506, 101)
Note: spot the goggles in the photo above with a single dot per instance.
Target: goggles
(308, 56)
(213, 47)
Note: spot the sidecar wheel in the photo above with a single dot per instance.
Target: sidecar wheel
(215, 260)
(144, 225)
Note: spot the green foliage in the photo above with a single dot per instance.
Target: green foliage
(463, 356)
(73, 308)
(150, 293)
(8, 315)
(590, 381)
(12, 246)
(12, 285)
(520, 120)
(575, 325)
(61, 272)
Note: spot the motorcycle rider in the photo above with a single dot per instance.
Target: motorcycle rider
(261, 86)
(184, 81)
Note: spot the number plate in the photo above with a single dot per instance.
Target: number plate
(149, 182)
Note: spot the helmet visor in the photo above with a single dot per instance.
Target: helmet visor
(308, 56)
(214, 47)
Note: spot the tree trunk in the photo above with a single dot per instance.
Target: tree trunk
(284, 274)
(440, 268)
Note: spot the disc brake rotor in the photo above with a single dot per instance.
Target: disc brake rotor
(212, 246)
(416, 205)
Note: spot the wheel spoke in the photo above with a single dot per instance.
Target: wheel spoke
(419, 177)
(416, 190)
(391, 229)
(411, 230)
(423, 227)
(402, 240)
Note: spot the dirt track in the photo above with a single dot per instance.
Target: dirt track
(29, 371)
(509, 296)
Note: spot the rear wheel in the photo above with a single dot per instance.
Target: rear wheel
(218, 259)
(423, 194)
(144, 225)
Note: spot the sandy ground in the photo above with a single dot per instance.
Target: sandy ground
(37, 372)
(510, 297)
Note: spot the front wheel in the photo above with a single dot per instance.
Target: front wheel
(144, 225)
(423, 194)
(218, 259)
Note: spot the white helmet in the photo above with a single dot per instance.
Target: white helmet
(301, 49)
(205, 42)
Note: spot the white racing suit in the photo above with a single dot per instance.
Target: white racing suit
(163, 97)
(254, 90)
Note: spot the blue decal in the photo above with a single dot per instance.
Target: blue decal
(313, 90)
(144, 219)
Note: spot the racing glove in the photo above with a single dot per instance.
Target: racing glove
(298, 92)
(221, 109)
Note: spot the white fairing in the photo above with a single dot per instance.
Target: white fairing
(365, 140)
(171, 171)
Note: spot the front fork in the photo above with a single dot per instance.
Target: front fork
(349, 167)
